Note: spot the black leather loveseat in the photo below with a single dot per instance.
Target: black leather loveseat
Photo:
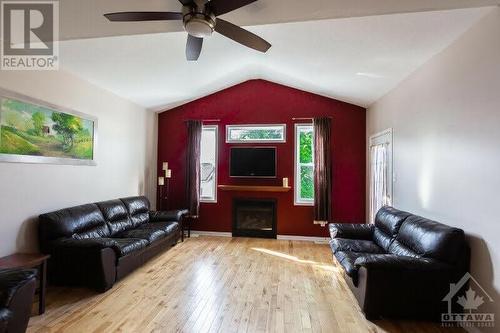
(17, 289)
(97, 244)
(401, 266)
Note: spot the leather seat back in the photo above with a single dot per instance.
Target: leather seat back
(422, 237)
(79, 222)
(138, 209)
(387, 223)
(116, 215)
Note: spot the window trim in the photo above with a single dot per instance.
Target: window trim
(296, 200)
(214, 200)
(229, 140)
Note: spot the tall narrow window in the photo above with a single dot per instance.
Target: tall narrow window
(380, 172)
(208, 170)
(304, 164)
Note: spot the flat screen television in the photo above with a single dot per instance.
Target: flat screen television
(253, 162)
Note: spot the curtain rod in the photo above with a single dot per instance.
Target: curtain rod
(310, 118)
(204, 120)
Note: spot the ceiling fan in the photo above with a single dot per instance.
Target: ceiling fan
(200, 21)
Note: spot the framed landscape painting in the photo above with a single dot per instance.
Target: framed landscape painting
(32, 131)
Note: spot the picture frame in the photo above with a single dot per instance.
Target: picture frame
(35, 131)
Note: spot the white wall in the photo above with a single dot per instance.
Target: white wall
(446, 120)
(126, 153)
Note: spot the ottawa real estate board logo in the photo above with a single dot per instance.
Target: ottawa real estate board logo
(30, 34)
(472, 302)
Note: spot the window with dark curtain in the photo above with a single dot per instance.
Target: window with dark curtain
(322, 171)
(194, 128)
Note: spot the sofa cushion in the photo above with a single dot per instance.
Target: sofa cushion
(168, 227)
(400, 249)
(138, 209)
(430, 239)
(151, 235)
(347, 260)
(387, 223)
(79, 222)
(125, 246)
(116, 215)
(355, 245)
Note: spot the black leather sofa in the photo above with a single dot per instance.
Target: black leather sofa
(402, 265)
(95, 245)
(17, 289)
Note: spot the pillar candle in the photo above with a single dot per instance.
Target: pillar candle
(285, 182)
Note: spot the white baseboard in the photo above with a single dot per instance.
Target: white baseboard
(196, 233)
(304, 238)
(211, 233)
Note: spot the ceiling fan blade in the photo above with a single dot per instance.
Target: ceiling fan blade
(220, 7)
(143, 16)
(241, 36)
(193, 48)
(186, 2)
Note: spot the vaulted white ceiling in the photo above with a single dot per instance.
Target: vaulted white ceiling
(355, 59)
(83, 19)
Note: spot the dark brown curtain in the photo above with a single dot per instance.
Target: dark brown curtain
(193, 166)
(322, 171)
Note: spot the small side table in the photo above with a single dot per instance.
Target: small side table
(189, 219)
(38, 261)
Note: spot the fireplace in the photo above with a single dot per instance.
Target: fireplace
(254, 218)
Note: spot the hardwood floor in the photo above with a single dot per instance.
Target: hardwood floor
(210, 284)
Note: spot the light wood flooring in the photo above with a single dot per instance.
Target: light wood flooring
(211, 284)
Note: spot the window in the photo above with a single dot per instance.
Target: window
(304, 164)
(255, 133)
(208, 169)
(381, 176)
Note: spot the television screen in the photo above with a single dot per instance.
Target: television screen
(254, 162)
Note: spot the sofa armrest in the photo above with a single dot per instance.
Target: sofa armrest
(391, 262)
(403, 287)
(167, 216)
(11, 280)
(5, 316)
(89, 262)
(351, 231)
(17, 289)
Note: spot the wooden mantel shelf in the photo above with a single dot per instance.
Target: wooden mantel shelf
(246, 188)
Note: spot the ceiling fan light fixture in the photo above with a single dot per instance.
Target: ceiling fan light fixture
(199, 25)
(200, 20)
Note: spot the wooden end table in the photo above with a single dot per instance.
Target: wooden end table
(189, 219)
(36, 260)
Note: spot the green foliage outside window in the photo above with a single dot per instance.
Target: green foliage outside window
(256, 133)
(260, 134)
(306, 145)
(306, 171)
(306, 182)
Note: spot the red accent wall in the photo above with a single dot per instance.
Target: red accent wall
(263, 102)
